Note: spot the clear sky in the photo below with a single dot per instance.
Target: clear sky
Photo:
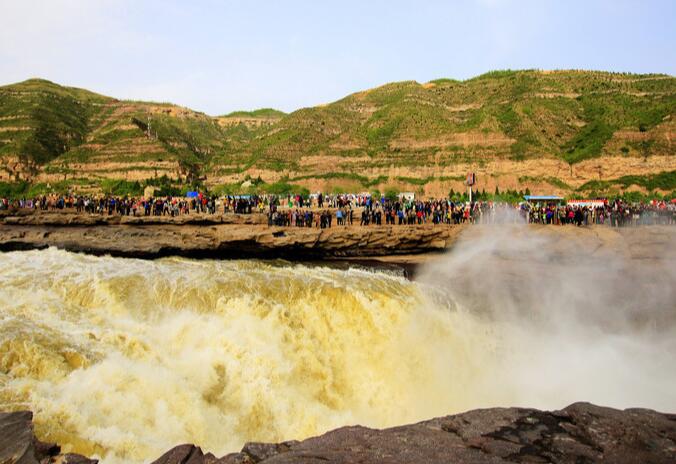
(219, 56)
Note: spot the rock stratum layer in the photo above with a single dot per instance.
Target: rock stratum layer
(247, 236)
(215, 236)
(580, 433)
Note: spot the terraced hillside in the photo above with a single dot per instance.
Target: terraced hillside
(556, 132)
(53, 134)
(548, 131)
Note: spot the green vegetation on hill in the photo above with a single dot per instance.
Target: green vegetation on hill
(604, 114)
(571, 115)
(443, 80)
(258, 186)
(501, 74)
(191, 140)
(663, 181)
(51, 127)
(44, 120)
(13, 189)
(500, 115)
(259, 113)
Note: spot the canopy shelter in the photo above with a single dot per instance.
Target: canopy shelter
(588, 203)
(542, 198)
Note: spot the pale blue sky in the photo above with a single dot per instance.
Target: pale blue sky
(219, 56)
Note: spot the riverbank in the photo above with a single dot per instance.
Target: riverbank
(231, 236)
(217, 236)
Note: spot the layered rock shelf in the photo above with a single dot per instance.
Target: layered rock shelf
(217, 236)
(249, 236)
(580, 433)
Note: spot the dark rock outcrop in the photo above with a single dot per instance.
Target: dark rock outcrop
(184, 454)
(580, 433)
(18, 444)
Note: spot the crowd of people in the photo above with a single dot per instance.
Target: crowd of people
(615, 213)
(303, 218)
(125, 206)
(324, 211)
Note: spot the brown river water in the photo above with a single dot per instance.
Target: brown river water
(122, 359)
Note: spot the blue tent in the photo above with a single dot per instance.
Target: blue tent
(192, 194)
(542, 198)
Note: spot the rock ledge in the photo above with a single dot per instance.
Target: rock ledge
(580, 433)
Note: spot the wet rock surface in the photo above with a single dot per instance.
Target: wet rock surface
(19, 445)
(580, 433)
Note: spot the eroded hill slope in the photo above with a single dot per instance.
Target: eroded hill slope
(557, 132)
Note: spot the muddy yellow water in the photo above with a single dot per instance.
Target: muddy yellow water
(123, 359)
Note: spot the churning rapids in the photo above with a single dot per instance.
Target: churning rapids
(122, 359)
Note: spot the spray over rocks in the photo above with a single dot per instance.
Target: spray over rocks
(575, 314)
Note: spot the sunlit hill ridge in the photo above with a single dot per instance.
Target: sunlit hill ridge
(566, 132)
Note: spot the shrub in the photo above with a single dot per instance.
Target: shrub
(121, 188)
(13, 190)
(391, 194)
(284, 188)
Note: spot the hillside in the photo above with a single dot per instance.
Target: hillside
(55, 134)
(563, 132)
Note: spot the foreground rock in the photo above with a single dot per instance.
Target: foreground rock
(19, 445)
(580, 433)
